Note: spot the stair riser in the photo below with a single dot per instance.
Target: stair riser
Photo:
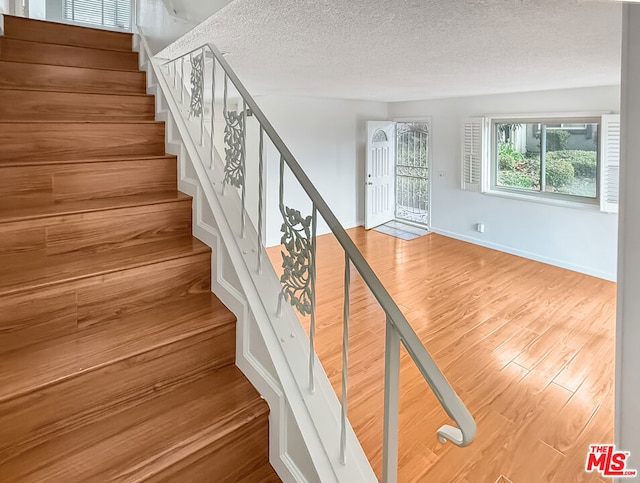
(41, 315)
(18, 75)
(43, 142)
(47, 183)
(235, 456)
(132, 291)
(40, 416)
(44, 53)
(34, 30)
(18, 105)
(97, 231)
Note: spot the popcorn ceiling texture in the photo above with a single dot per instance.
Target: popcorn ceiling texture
(394, 50)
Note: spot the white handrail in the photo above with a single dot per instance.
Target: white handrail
(398, 328)
(450, 401)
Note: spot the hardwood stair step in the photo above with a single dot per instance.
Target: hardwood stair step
(116, 360)
(43, 141)
(41, 315)
(55, 54)
(33, 270)
(44, 184)
(21, 75)
(264, 474)
(49, 388)
(102, 159)
(231, 453)
(43, 31)
(215, 425)
(97, 231)
(26, 105)
(36, 207)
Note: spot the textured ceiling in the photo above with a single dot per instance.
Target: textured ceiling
(391, 50)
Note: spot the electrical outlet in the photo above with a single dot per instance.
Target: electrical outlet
(480, 227)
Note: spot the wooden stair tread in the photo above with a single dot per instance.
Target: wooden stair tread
(264, 474)
(31, 270)
(24, 105)
(103, 159)
(46, 141)
(33, 367)
(19, 50)
(41, 77)
(31, 122)
(45, 31)
(103, 48)
(62, 90)
(68, 91)
(81, 67)
(142, 441)
(28, 211)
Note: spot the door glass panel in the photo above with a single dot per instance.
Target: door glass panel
(380, 136)
(412, 172)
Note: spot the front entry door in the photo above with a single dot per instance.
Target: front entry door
(380, 174)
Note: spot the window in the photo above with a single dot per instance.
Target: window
(556, 159)
(548, 158)
(567, 125)
(107, 13)
(380, 136)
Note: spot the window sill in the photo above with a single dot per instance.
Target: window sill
(581, 205)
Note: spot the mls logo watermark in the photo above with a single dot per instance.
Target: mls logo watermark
(609, 462)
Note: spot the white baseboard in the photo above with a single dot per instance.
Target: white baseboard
(525, 254)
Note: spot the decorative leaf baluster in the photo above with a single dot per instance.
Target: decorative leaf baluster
(296, 278)
(233, 136)
(197, 79)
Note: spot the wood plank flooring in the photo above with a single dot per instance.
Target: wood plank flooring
(528, 347)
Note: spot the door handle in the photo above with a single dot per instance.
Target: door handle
(369, 182)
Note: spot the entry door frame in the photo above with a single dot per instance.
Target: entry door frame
(375, 169)
(431, 174)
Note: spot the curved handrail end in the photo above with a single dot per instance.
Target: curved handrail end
(456, 435)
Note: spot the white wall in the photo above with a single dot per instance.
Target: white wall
(159, 28)
(38, 9)
(627, 413)
(53, 10)
(580, 239)
(195, 12)
(328, 138)
(162, 28)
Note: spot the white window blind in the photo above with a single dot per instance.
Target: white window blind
(610, 163)
(472, 151)
(107, 13)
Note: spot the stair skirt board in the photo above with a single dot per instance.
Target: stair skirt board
(117, 358)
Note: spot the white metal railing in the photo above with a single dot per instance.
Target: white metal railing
(194, 75)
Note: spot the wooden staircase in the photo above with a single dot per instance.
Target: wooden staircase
(116, 360)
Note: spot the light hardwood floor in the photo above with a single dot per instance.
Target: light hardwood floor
(528, 347)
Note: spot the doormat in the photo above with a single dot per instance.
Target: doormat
(401, 230)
